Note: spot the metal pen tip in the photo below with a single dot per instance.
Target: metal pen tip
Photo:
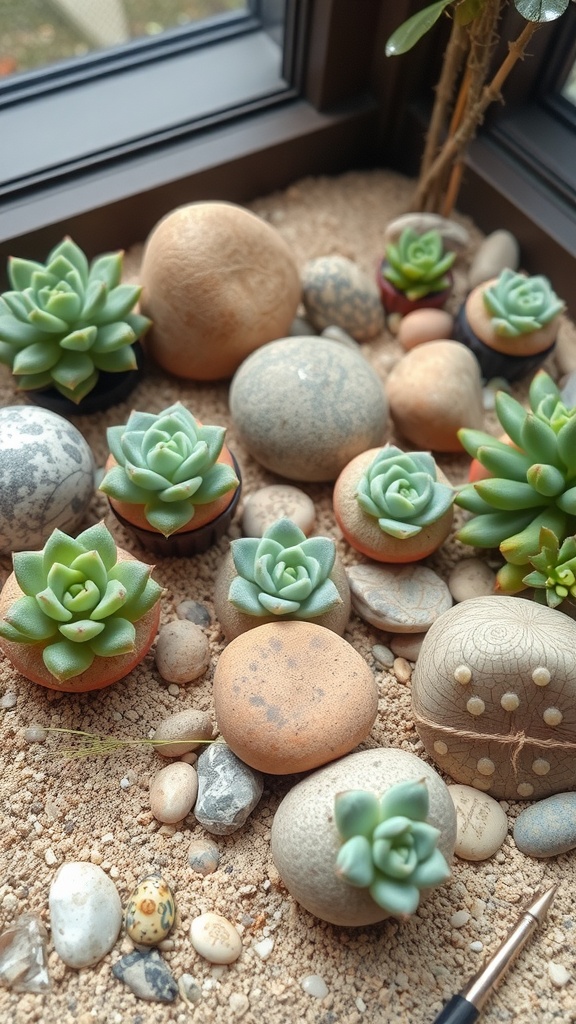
(540, 906)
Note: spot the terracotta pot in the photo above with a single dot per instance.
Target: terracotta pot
(395, 301)
(27, 658)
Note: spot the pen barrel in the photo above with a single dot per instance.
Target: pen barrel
(478, 990)
(457, 1011)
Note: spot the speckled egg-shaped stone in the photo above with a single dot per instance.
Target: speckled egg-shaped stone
(290, 696)
(304, 407)
(150, 911)
(47, 475)
(493, 697)
(547, 828)
(336, 291)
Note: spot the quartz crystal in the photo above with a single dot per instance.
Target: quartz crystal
(23, 955)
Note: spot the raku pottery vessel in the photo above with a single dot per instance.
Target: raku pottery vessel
(67, 330)
(80, 614)
(171, 481)
(510, 323)
(415, 273)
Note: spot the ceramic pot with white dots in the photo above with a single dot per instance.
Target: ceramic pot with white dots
(494, 697)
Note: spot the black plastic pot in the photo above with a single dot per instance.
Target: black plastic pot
(110, 389)
(494, 363)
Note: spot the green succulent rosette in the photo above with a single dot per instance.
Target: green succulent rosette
(284, 573)
(519, 304)
(554, 570)
(167, 463)
(79, 601)
(533, 485)
(389, 848)
(67, 320)
(418, 264)
(401, 491)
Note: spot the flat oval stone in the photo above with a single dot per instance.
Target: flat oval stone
(150, 911)
(215, 938)
(481, 824)
(182, 732)
(277, 501)
(336, 291)
(85, 913)
(173, 791)
(290, 696)
(399, 599)
(194, 612)
(471, 577)
(304, 407)
(454, 236)
(182, 651)
(547, 828)
(498, 250)
(422, 325)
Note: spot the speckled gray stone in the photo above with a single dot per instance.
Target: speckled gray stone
(147, 976)
(304, 407)
(398, 598)
(47, 474)
(228, 790)
(547, 828)
(336, 291)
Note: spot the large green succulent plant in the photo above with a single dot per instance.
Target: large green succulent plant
(554, 570)
(389, 848)
(533, 484)
(519, 304)
(401, 491)
(80, 602)
(284, 573)
(418, 264)
(67, 320)
(167, 463)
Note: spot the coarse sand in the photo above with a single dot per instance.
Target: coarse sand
(56, 809)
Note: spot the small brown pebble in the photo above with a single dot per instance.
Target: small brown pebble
(402, 670)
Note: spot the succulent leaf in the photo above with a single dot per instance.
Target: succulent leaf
(62, 323)
(417, 264)
(520, 304)
(399, 898)
(354, 862)
(80, 602)
(401, 491)
(356, 812)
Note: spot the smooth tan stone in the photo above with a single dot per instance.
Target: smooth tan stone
(497, 251)
(471, 578)
(433, 391)
(481, 824)
(182, 652)
(407, 645)
(424, 325)
(215, 938)
(277, 501)
(173, 791)
(182, 732)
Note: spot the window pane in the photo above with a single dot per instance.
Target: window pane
(568, 90)
(39, 33)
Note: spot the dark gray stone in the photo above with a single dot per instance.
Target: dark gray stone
(228, 790)
(147, 976)
(194, 612)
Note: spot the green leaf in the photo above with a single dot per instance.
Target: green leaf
(566, 442)
(80, 391)
(512, 416)
(541, 10)
(107, 268)
(509, 495)
(321, 599)
(59, 548)
(488, 531)
(92, 568)
(217, 481)
(277, 605)
(81, 630)
(66, 305)
(406, 798)
(138, 323)
(356, 812)
(468, 498)
(472, 440)
(244, 553)
(539, 440)
(412, 30)
(117, 485)
(112, 601)
(243, 594)
(29, 571)
(14, 332)
(113, 336)
(44, 321)
(94, 300)
(37, 358)
(510, 579)
(20, 272)
(398, 898)
(547, 480)
(119, 302)
(425, 838)
(132, 575)
(542, 386)
(137, 606)
(73, 368)
(117, 637)
(26, 616)
(431, 872)
(79, 341)
(66, 659)
(354, 862)
(504, 461)
(98, 537)
(169, 518)
(567, 501)
(519, 546)
(73, 253)
(121, 360)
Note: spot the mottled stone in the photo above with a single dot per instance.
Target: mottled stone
(336, 291)
(400, 599)
(481, 824)
(215, 938)
(173, 792)
(183, 732)
(194, 612)
(470, 578)
(147, 976)
(277, 501)
(498, 250)
(150, 911)
(454, 236)
(85, 913)
(47, 474)
(304, 407)
(23, 961)
(182, 651)
(228, 790)
(547, 828)
(203, 856)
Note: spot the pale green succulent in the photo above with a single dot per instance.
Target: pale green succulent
(533, 484)
(401, 491)
(284, 573)
(554, 575)
(519, 304)
(389, 848)
(67, 320)
(418, 264)
(79, 601)
(167, 463)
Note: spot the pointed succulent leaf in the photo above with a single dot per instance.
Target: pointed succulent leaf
(519, 546)
(60, 548)
(510, 579)
(244, 553)
(285, 533)
(90, 564)
(321, 600)
(131, 575)
(14, 332)
(80, 340)
(431, 872)
(112, 601)
(118, 636)
(180, 492)
(99, 538)
(542, 386)
(398, 898)
(61, 577)
(65, 304)
(143, 602)
(402, 531)
(512, 416)
(356, 812)
(354, 862)
(412, 30)
(538, 440)
(36, 358)
(398, 862)
(33, 381)
(243, 594)
(117, 485)
(533, 579)
(79, 392)
(490, 530)
(138, 323)
(107, 268)
(467, 497)
(81, 598)
(119, 302)
(65, 659)
(169, 518)
(406, 798)
(113, 336)
(566, 442)
(217, 481)
(29, 571)
(27, 617)
(392, 826)
(145, 478)
(20, 272)
(277, 605)
(47, 322)
(425, 838)
(81, 630)
(72, 369)
(94, 299)
(121, 360)
(68, 250)
(509, 495)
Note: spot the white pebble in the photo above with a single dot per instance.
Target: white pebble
(477, 946)
(481, 824)
(459, 919)
(315, 986)
(50, 858)
(360, 1004)
(215, 938)
(264, 948)
(9, 700)
(85, 914)
(182, 652)
(558, 974)
(35, 734)
(125, 783)
(173, 690)
(239, 1004)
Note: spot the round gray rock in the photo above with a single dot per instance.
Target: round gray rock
(336, 291)
(399, 599)
(304, 407)
(547, 828)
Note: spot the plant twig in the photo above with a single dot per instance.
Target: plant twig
(453, 58)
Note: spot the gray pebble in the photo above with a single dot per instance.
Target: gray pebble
(402, 599)
(497, 251)
(568, 391)
(338, 334)
(274, 502)
(190, 992)
(407, 645)
(35, 734)
(337, 292)
(203, 856)
(471, 578)
(228, 790)
(147, 976)
(9, 700)
(547, 828)
(383, 655)
(194, 612)
(300, 328)
(182, 652)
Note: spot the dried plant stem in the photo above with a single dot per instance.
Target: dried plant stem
(92, 745)
(453, 59)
